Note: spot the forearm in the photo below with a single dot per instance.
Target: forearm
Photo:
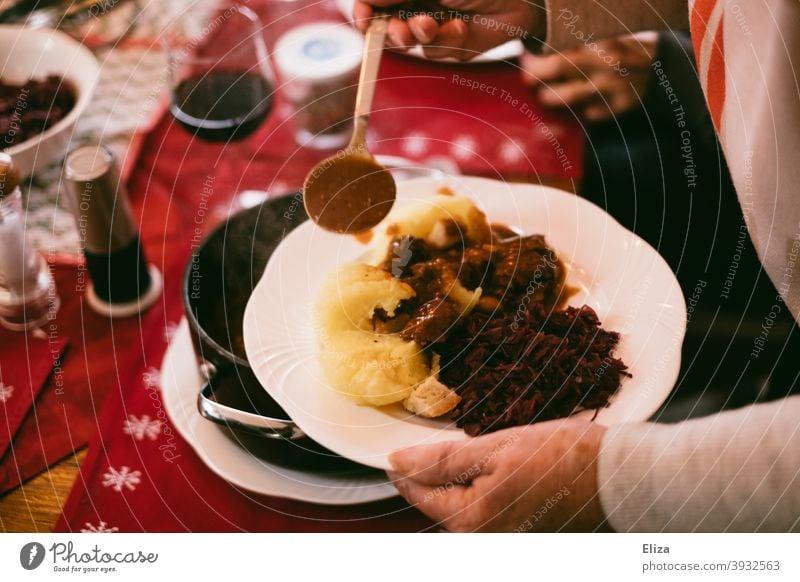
(733, 471)
(572, 23)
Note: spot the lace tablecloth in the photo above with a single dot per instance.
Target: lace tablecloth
(131, 92)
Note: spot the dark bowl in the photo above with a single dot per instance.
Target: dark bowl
(217, 284)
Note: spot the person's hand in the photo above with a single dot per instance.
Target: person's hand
(598, 81)
(460, 29)
(534, 478)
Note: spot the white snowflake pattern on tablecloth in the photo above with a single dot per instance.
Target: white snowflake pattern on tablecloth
(151, 378)
(285, 110)
(123, 477)
(416, 144)
(279, 187)
(464, 147)
(141, 428)
(5, 392)
(101, 527)
(511, 152)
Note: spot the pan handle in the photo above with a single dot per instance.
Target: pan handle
(237, 419)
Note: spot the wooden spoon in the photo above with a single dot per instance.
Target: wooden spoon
(351, 192)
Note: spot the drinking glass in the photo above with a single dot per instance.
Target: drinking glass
(222, 84)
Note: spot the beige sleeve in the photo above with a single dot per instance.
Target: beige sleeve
(572, 23)
(732, 471)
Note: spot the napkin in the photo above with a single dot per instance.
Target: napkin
(28, 363)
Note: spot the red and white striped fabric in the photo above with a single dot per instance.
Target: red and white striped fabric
(708, 37)
(722, 472)
(748, 56)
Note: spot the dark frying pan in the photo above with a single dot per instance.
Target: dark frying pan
(218, 282)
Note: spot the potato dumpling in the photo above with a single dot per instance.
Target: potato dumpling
(424, 220)
(353, 292)
(368, 367)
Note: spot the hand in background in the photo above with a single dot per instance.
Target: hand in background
(534, 478)
(484, 24)
(601, 80)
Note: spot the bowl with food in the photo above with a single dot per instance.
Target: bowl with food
(475, 306)
(46, 83)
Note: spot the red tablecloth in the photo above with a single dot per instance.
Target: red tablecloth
(127, 481)
(480, 116)
(100, 359)
(20, 385)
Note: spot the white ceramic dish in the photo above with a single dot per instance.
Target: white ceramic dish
(623, 278)
(35, 53)
(505, 52)
(180, 383)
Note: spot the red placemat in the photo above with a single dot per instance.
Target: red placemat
(100, 356)
(19, 384)
(144, 477)
(139, 475)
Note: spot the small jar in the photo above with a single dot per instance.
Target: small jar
(318, 65)
(28, 297)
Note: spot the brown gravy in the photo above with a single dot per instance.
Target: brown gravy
(349, 194)
(508, 268)
(364, 237)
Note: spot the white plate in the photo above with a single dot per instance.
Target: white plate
(505, 52)
(180, 383)
(619, 275)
